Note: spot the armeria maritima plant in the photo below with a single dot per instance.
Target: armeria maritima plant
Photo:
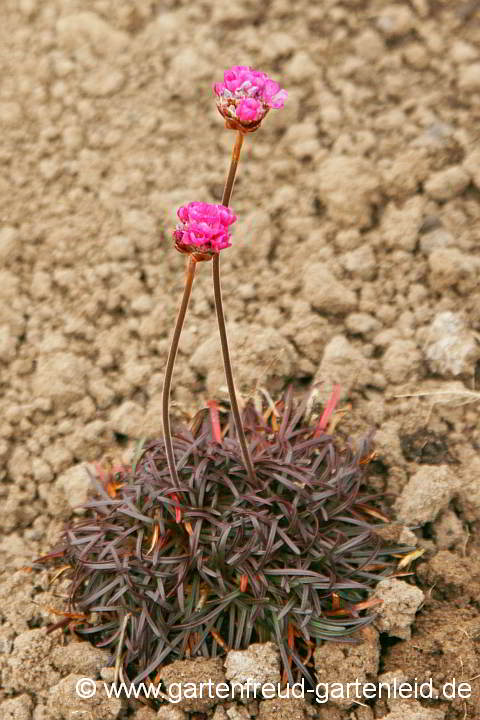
(218, 561)
(244, 527)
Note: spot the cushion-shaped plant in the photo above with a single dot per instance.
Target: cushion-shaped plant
(217, 561)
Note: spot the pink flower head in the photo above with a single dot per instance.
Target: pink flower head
(203, 229)
(245, 96)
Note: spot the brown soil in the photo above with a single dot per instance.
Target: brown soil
(355, 260)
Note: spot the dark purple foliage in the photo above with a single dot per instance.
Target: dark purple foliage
(217, 562)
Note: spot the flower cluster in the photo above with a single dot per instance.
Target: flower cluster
(203, 230)
(245, 96)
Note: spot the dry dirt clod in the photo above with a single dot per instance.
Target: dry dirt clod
(260, 663)
(447, 184)
(413, 710)
(74, 484)
(64, 701)
(401, 361)
(469, 486)
(18, 708)
(457, 578)
(345, 663)
(427, 492)
(449, 531)
(400, 602)
(27, 667)
(341, 176)
(344, 364)
(169, 712)
(284, 709)
(194, 671)
(449, 267)
(325, 293)
(451, 348)
(80, 658)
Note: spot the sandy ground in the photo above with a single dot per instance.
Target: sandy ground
(355, 260)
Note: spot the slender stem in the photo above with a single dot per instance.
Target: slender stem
(237, 148)
(217, 290)
(167, 434)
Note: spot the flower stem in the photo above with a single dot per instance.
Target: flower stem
(167, 433)
(221, 318)
(237, 148)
